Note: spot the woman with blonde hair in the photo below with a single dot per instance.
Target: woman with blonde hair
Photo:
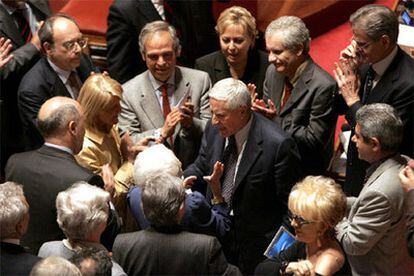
(238, 58)
(104, 151)
(316, 205)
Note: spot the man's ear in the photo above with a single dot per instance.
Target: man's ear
(143, 56)
(299, 51)
(376, 145)
(47, 47)
(72, 127)
(385, 40)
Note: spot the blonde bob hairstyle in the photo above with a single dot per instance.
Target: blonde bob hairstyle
(318, 199)
(237, 16)
(96, 95)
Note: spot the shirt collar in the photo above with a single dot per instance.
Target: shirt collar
(12, 241)
(241, 135)
(97, 136)
(63, 148)
(82, 244)
(63, 74)
(383, 64)
(156, 84)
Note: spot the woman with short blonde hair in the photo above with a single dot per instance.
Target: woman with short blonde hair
(237, 31)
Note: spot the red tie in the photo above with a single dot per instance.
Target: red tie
(166, 109)
(286, 93)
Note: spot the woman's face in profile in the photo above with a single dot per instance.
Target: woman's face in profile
(235, 44)
(306, 231)
(109, 115)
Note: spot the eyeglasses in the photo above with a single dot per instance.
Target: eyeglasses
(71, 45)
(298, 219)
(363, 45)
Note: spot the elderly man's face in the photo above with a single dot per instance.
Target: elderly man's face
(62, 53)
(229, 121)
(160, 56)
(285, 61)
(368, 50)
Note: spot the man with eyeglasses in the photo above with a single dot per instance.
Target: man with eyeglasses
(373, 69)
(60, 72)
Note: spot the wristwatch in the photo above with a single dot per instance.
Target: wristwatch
(216, 200)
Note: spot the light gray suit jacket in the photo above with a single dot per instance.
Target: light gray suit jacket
(142, 114)
(373, 234)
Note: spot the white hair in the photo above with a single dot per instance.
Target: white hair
(12, 208)
(81, 209)
(154, 160)
(233, 92)
(55, 266)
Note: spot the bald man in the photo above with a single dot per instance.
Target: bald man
(60, 72)
(51, 169)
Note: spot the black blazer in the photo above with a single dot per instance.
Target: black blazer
(215, 65)
(308, 115)
(268, 169)
(25, 56)
(396, 88)
(38, 85)
(15, 260)
(44, 173)
(170, 251)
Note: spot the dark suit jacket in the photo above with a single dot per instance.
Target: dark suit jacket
(267, 170)
(409, 205)
(308, 115)
(25, 56)
(44, 173)
(199, 216)
(170, 251)
(38, 85)
(215, 65)
(126, 19)
(396, 88)
(15, 261)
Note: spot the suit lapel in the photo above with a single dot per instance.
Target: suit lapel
(251, 152)
(9, 28)
(58, 88)
(386, 82)
(221, 69)
(149, 102)
(147, 10)
(300, 89)
(180, 85)
(277, 87)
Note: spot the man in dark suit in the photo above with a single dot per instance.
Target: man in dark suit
(127, 18)
(261, 163)
(51, 169)
(373, 69)
(60, 73)
(165, 248)
(15, 15)
(14, 219)
(298, 94)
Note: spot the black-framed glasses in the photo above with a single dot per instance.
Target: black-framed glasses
(363, 45)
(298, 219)
(71, 45)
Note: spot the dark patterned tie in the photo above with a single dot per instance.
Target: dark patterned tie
(23, 25)
(369, 82)
(229, 160)
(74, 84)
(166, 109)
(286, 93)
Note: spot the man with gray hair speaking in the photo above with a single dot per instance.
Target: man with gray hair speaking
(372, 236)
(298, 94)
(261, 163)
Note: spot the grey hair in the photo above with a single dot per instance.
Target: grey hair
(155, 27)
(162, 197)
(81, 209)
(294, 31)
(155, 160)
(233, 92)
(58, 121)
(382, 122)
(376, 21)
(55, 266)
(12, 208)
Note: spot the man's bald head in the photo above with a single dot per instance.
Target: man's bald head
(56, 114)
